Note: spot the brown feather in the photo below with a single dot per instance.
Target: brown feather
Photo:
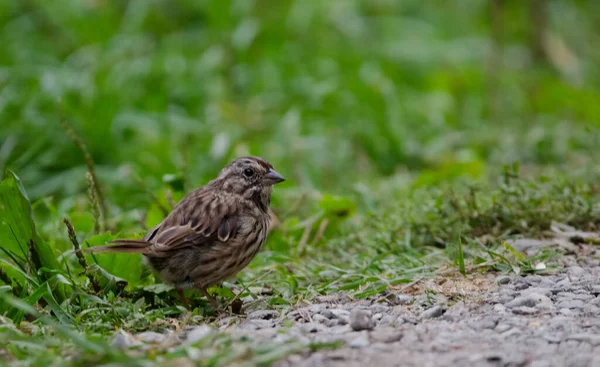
(124, 246)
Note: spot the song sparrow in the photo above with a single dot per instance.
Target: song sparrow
(213, 232)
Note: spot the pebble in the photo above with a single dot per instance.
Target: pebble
(488, 323)
(198, 333)
(499, 308)
(571, 304)
(404, 299)
(262, 315)
(256, 324)
(562, 285)
(593, 339)
(311, 327)
(337, 313)
(123, 340)
(361, 320)
(151, 337)
(320, 319)
(530, 300)
(524, 310)
(328, 314)
(386, 335)
(501, 328)
(576, 272)
(433, 312)
(361, 341)
(503, 279)
(540, 290)
(566, 312)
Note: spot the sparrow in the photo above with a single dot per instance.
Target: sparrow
(213, 232)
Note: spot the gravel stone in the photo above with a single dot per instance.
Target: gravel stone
(386, 335)
(433, 312)
(151, 337)
(320, 319)
(361, 341)
(262, 315)
(404, 299)
(593, 339)
(530, 300)
(503, 280)
(256, 324)
(524, 310)
(337, 313)
(571, 304)
(198, 333)
(123, 340)
(361, 320)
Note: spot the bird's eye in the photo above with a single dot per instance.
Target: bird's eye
(248, 172)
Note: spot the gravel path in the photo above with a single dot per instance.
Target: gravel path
(485, 320)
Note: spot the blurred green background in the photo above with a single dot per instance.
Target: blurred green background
(335, 93)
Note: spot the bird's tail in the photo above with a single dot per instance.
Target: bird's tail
(123, 246)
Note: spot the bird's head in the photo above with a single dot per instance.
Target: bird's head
(250, 177)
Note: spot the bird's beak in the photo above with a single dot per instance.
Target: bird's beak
(272, 177)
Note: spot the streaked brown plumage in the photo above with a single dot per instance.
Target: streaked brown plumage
(213, 232)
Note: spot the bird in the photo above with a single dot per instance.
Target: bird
(213, 232)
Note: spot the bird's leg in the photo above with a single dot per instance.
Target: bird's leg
(184, 299)
(212, 300)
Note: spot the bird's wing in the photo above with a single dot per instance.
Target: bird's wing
(201, 218)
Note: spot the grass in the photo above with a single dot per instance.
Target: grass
(414, 145)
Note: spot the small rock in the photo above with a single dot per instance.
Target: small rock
(593, 339)
(503, 280)
(409, 320)
(572, 304)
(337, 312)
(501, 328)
(533, 280)
(388, 320)
(576, 272)
(404, 299)
(540, 290)
(151, 337)
(361, 320)
(386, 335)
(328, 314)
(334, 298)
(198, 333)
(499, 308)
(361, 341)
(311, 327)
(256, 324)
(433, 312)
(123, 340)
(262, 315)
(566, 312)
(320, 319)
(343, 320)
(488, 323)
(540, 363)
(530, 300)
(553, 338)
(378, 316)
(524, 310)
(379, 308)
(562, 285)
(228, 321)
